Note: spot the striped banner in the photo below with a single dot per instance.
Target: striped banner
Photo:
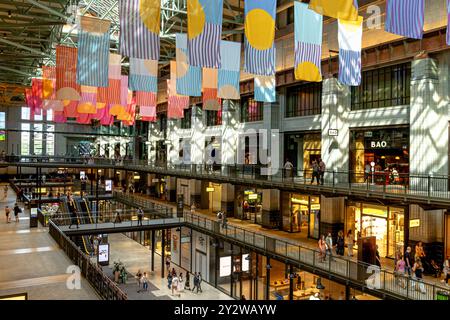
(67, 87)
(145, 98)
(93, 52)
(210, 99)
(58, 117)
(147, 111)
(84, 118)
(259, 37)
(37, 91)
(107, 119)
(338, 9)
(204, 32)
(115, 66)
(49, 82)
(265, 89)
(405, 18)
(70, 109)
(350, 42)
(175, 100)
(189, 78)
(139, 28)
(143, 75)
(88, 100)
(308, 43)
(229, 72)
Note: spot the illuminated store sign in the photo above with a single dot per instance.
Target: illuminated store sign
(378, 144)
(108, 185)
(210, 189)
(315, 207)
(253, 196)
(414, 223)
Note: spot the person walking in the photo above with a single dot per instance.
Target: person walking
(322, 168)
(187, 284)
(329, 246)
(180, 283)
(418, 272)
(200, 280)
(400, 271)
(224, 221)
(117, 218)
(322, 248)
(340, 243)
(140, 215)
(168, 264)
(174, 273)
(349, 242)
(139, 280)
(7, 213)
(175, 282)
(145, 281)
(195, 282)
(315, 172)
(169, 280)
(446, 270)
(408, 261)
(17, 210)
(288, 169)
(367, 172)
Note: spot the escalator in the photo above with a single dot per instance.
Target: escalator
(83, 218)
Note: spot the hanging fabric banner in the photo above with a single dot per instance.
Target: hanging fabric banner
(204, 32)
(88, 100)
(37, 91)
(143, 75)
(111, 93)
(229, 72)
(139, 28)
(48, 83)
(175, 100)
(265, 88)
(55, 105)
(448, 22)
(93, 52)
(84, 118)
(210, 91)
(405, 18)
(339, 9)
(66, 74)
(100, 108)
(189, 78)
(107, 119)
(58, 117)
(70, 109)
(145, 98)
(29, 98)
(308, 43)
(350, 42)
(259, 37)
(147, 113)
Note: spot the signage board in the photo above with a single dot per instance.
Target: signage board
(414, 223)
(209, 189)
(82, 175)
(103, 254)
(315, 207)
(108, 185)
(34, 212)
(253, 196)
(245, 262)
(378, 144)
(368, 134)
(225, 266)
(333, 132)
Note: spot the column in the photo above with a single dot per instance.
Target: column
(272, 141)
(332, 214)
(171, 183)
(195, 187)
(335, 110)
(163, 252)
(153, 250)
(271, 216)
(153, 135)
(429, 135)
(173, 125)
(229, 134)
(198, 139)
(227, 201)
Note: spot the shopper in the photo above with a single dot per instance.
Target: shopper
(139, 280)
(408, 260)
(322, 248)
(200, 280)
(174, 273)
(340, 243)
(187, 285)
(17, 210)
(349, 242)
(446, 270)
(169, 280)
(329, 246)
(140, 215)
(418, 272)
(117, 218)
(145, 281)
(7, 213)
(419, 252)
(322, 168)
(195, 282)
(224, 221)
(180, 283)
(168, 264)
(175, 282)
(400, 269)
(367, 168)
(315, 172)
(288, 169)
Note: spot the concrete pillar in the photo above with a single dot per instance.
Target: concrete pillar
(171, 184)
(172, 136)
(335, 110)
(271, 214)
(229, 133)
(271, 141)
(332, 213)
(195, 187)
(198, 139)
(227, 199)
(429, 122)
(152, 138)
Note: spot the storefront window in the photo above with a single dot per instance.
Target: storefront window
(250, 205)
(381, 152)
(386, 224)
(304, 100)
(302, 150)
(302, 214)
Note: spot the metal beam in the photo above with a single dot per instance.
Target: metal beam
(24, 47)
(50, 10)
(16, 71)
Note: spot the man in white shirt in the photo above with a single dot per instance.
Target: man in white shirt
(288, 167)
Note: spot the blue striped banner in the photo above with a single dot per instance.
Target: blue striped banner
(349, 67)
(405, 18)
(260, 62)
(142, 83)
(204, 50)
(191, 83)
(308, 52)
(264, 90)
(228, 80)
(93, 59)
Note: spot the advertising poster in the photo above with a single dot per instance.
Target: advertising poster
(225, 266)
(82, 175)
(108, 185)
(103, 254)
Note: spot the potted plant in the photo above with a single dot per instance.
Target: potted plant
(116, 270)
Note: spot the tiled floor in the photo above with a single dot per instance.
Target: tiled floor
(137, 257)
(30, 261)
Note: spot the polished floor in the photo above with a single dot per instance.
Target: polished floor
(32, 263)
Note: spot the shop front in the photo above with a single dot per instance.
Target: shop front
(249, 204)
(301, 213)
(302, 149)
(382, 151)
(386, 224)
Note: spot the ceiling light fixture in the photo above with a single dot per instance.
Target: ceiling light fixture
(9, 14)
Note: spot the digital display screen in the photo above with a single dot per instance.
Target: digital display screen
(103, 253)
(108, 185)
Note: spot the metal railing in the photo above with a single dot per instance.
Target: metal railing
(105, 287)
(368, 276)
(376, 183)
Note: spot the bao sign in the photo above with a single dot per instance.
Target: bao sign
(378, 144)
